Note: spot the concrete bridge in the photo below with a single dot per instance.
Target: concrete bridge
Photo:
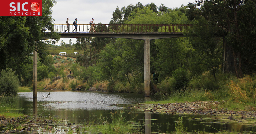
(144, 32)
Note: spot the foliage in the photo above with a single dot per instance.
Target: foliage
(208, 47)
(19, 36)
(167, 86)
(9, 83)
(227, 23)
(242, 90)
(171, 54)
(181, 77)
(207, 81)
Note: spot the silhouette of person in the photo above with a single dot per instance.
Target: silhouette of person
(67, 25)
(75, 24)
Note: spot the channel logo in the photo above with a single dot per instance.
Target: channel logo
(21, 8)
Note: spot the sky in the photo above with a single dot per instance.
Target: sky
(100, 10)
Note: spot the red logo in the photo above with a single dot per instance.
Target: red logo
(35, 7)
(21, 8)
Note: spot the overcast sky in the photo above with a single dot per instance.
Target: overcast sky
(100, 10)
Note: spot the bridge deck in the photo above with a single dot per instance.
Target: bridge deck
(135, 31)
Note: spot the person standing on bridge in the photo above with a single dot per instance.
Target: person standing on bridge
(75, 24)
(67, 26)
(92, 26)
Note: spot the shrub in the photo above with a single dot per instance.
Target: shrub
(9, 83)
(181, 77)
(42, 72)
(242, 90)
(167, 85)
(73, 84)
(205, 81)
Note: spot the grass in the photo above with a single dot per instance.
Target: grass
(116, 126)
(24, 89)
(11, 114)
(9, 107)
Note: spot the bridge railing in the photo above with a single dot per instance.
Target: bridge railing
(124, 28)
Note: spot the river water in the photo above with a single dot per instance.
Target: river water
(82, 107)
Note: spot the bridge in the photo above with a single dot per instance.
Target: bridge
(144, 32)
(134, 31)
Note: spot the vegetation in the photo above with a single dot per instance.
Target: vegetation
(9, 107)
(9, 83)
(215, 61)
(200, 62)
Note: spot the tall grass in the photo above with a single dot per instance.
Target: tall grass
(115, 125)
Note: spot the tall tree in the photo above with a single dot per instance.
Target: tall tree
(19, 36)
(233, 20)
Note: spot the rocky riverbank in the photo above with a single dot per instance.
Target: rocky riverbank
(208, 108)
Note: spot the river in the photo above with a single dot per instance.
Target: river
(82, 107)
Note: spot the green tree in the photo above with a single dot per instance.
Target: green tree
(9, 83)
(233, 21)
(19, 36)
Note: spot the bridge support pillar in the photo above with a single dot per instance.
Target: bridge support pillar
(147, 67)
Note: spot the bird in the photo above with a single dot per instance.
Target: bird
(46, 95)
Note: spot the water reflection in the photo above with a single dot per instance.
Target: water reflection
(82, 100)
(147, 122)
(84, 107)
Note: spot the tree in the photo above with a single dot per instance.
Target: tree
(233, 21)
(19, 36)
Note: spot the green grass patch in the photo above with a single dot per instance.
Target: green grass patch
(9, 107)
(24, 89)
(185, 96)
(11, 114)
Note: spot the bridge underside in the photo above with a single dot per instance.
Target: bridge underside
(118, 35)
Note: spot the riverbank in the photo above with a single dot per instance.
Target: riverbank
(211, 109)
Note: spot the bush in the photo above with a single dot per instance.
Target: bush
(181, 77)
(42, 72)
(167, 86)
(207, 81)
(9, 83)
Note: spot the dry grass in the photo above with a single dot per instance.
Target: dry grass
(65, 84)
(103, 85)
(242, 90)
(42, 84)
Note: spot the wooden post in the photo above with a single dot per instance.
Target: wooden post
(35, 83)
(147, 67)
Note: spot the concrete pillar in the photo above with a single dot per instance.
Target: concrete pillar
(147, 67)
(35, 83)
